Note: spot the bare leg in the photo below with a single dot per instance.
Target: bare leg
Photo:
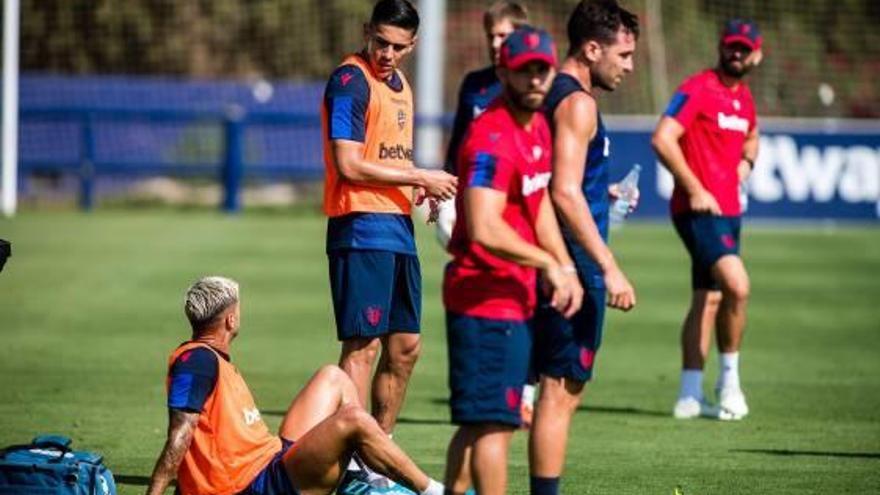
(489, 458)
(400, 351)
(357, 358)
(458, 462)
(697, 329)
(731, 274)
(315, 463)
(328, 390)
(556, 405)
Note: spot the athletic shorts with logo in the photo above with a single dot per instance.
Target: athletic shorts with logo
(707, 238)
(374, 292)
(488, 367)
(567, 348)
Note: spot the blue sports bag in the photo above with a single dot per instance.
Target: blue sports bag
(48, 466)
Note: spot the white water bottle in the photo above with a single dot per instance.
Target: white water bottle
(628, 190)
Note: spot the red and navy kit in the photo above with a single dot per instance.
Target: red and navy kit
(499, 154)
(489, 299)
(717, 119)
(478, 89)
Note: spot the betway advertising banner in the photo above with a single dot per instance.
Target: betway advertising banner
(809, 170)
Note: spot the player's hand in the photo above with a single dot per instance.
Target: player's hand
(419, 195)
(703, 202)
(577, 294)
(743, 170)
(439, 184)
(621, 294)
(565, 297)
(614, 193)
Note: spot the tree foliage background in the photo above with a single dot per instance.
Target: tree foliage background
(808, 43)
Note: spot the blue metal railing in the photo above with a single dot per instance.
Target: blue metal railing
(230, 170)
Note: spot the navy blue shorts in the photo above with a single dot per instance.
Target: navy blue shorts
(375, 292)
(566, 348)
(273, 479)
(488, 367)
(707, 238)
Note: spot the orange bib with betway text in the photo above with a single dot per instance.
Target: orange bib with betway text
(231, 443)
(388, 141)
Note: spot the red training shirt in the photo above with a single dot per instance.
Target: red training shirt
(500, 154)
(717, 119)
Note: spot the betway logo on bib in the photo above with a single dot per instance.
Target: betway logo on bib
(251, 416)
(535, 183)
(398, 152)
(733, 123)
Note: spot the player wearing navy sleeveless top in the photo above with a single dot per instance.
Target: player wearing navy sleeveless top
(595, 180)
(602, 37)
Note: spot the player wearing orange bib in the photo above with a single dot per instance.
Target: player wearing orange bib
(370, 184)
(219, 445)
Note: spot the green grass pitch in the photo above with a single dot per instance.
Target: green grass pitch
(90, 306)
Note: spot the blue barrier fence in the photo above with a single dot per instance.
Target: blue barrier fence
(228, 165)
(96, 127)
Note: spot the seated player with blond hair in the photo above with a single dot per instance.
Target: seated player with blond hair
(219, 445)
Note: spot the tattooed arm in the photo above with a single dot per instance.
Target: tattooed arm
(181, 425)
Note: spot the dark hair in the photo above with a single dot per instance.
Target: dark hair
(397, 13)
(505, 9)
(599, 20)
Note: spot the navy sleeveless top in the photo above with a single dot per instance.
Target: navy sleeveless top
(595, 183)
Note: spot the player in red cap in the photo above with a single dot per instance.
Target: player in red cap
(708, 139)
(602, 39)
(506, 232)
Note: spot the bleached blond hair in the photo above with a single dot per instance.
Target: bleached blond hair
(207, 298)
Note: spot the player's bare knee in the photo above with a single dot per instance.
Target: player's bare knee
(333, 376)
(406, 355)
(362, 352)
(737, 290)
(712, 300)
(360, 423)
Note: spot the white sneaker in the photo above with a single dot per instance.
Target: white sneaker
(691, 407)
(732, 403)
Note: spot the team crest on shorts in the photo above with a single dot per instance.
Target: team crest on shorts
(373, 314)
(728, 241)
(513, 397)
(401, 119)
(586, 358)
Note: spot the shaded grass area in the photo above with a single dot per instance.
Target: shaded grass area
(90, 306)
